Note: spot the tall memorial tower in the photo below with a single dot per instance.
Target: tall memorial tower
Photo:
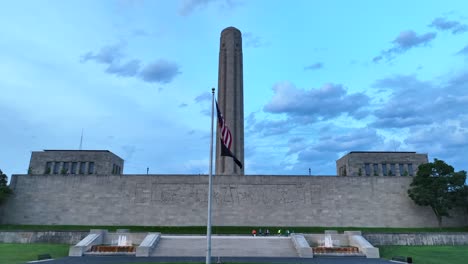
(231, 99)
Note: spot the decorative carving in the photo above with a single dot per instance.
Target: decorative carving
(261, 194)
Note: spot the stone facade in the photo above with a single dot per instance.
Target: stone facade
(379, 163)
(181, 200)
(418, 239)
(75, 162)
(231, 99)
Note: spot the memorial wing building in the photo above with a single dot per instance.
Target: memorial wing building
(82, 162)
(380, 163)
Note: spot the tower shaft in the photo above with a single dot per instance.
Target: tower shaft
(231, 99)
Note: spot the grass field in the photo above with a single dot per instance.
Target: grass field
(225, 229)
(20, 253)
(428, 254)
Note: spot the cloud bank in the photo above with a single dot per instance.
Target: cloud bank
(159, 71)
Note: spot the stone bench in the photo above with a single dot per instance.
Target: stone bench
(302, 246)
(148, 244)
(96, 237)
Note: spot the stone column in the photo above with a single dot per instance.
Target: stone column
(231, 99)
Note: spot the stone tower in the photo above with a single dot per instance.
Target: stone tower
(231, 99)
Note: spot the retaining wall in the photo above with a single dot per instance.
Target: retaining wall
(417, 239)
(56, 237)
(181, 200)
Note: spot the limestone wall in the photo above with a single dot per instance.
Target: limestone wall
(173, 200)
(417, 239)
(56, 237)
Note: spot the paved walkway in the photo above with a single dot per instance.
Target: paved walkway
(131, 259)
(225, 246)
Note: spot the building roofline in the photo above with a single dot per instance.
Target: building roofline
(75, 150)
(382, 152)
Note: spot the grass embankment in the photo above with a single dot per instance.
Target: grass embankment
(21, 253)
(226, 229)
(428, 254)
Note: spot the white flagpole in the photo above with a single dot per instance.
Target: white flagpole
(210, 185)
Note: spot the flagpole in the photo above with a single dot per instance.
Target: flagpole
(210, 185)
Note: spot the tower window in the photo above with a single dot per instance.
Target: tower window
(56, 167)
(384, 169)
(82, 167)
(392, 171)
(66, 167)
(48, 168)
(410, 169)
(73, 167)
(91, 168)
(367, 169)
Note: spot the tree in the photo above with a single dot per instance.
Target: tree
(438, 185)
(4, 189)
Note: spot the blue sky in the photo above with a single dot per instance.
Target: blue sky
(321, 78)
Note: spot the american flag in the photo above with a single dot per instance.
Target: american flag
(225, 138)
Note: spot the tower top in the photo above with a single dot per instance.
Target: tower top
(230, 29)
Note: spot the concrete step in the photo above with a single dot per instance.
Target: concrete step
(225, 246)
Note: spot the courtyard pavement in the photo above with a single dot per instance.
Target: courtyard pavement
(132, 259)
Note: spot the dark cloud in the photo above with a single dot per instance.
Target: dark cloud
(446, 141)
(403, 42)
(413, 102)
(183, 105)
(128, 69)
(161, 71)
(409, 39)
(107, 54)
(355, 140)
(316, 104)
(463, 51)
(315, 66)
(296, 144)
(272, 127)
(321, 155)
(251, 40)
(189, 6)
(443, 24)
(140, 33)
(206, 96)
(377, 58)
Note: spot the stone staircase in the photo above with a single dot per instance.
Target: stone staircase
(225, 246)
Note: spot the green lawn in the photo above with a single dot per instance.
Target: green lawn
(225, 229)
(428, 254)
(20, 253)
